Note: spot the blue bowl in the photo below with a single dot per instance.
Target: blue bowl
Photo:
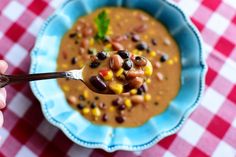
(81, 131)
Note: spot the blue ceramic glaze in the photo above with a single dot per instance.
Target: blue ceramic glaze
(83, 132)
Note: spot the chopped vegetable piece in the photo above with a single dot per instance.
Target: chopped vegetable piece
(96, 112)
(85, 110)
(147, 97)
(148, 70)
(128, 103)
(119, 72)
(116, 87)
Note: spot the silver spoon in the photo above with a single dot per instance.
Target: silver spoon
(8, 79)
(99, 87)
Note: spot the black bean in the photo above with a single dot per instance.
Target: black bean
(139, 91)
(102, 55)
(142, 46)
(144, 87)
(96, 98)
(156, 103)
(121, 107)
(76, 42)
(104, 117)
(154, 42)
(120, 119)
(94, 64)
(127, 65)
(106, 39)
(98, 83)
(164, 58)
(72, 35)
(80, 106)
(93, 105)
(135, 37)
(74, 60)
(81, 97)
(123, 53)
(148, 50)
(92, 51)
(116, 102)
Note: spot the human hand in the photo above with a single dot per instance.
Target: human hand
(3, 94)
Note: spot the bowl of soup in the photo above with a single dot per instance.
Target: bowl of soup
(157, 30)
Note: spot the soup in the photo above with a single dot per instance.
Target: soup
(114, 29)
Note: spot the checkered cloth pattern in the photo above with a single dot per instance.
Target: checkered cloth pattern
(210, 131)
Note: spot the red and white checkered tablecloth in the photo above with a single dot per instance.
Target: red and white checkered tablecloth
(210, 131)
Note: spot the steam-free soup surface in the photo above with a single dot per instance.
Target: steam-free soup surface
(138, 33)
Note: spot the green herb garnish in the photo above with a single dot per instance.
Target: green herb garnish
(102, 22)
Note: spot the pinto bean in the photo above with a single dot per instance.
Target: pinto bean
(119, 38)
(117, 46)
(134, 73)
(84, 43)
(140, 28)
(137, 99)
(72, 99)
(136, 82)
(116, 62)
(140, 61)
(87, 32)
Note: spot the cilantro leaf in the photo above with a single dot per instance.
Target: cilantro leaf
(102, 22)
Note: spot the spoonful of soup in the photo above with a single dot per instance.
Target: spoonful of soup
(106, 73)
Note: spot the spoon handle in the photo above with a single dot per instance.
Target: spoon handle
(7, 79)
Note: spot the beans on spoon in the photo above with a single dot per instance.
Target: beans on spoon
(116, 72)
(106, 73)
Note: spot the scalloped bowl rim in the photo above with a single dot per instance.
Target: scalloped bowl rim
(111, 148)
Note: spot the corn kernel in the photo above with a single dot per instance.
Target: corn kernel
(148, 81)
(148, 70)
(122, 77)
(133, 91)
(119, 72)
(107, 11)
(135, 51)
(66, 88)
(153, 53)
(112, 108)
(108, 46)
(117, 88)
(109, 31)
(128, 103)
(109, 75)
(170, 62)
(86, 94)
(79, 35)
(96, 112)
(147, 97)
(140, 53)
(91, 41)
(85, 110)
(117, 17)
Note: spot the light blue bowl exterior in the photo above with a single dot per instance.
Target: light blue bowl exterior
(80, 130)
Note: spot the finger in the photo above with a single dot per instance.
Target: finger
(2, 98)
(3, 66)
(1, 119)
